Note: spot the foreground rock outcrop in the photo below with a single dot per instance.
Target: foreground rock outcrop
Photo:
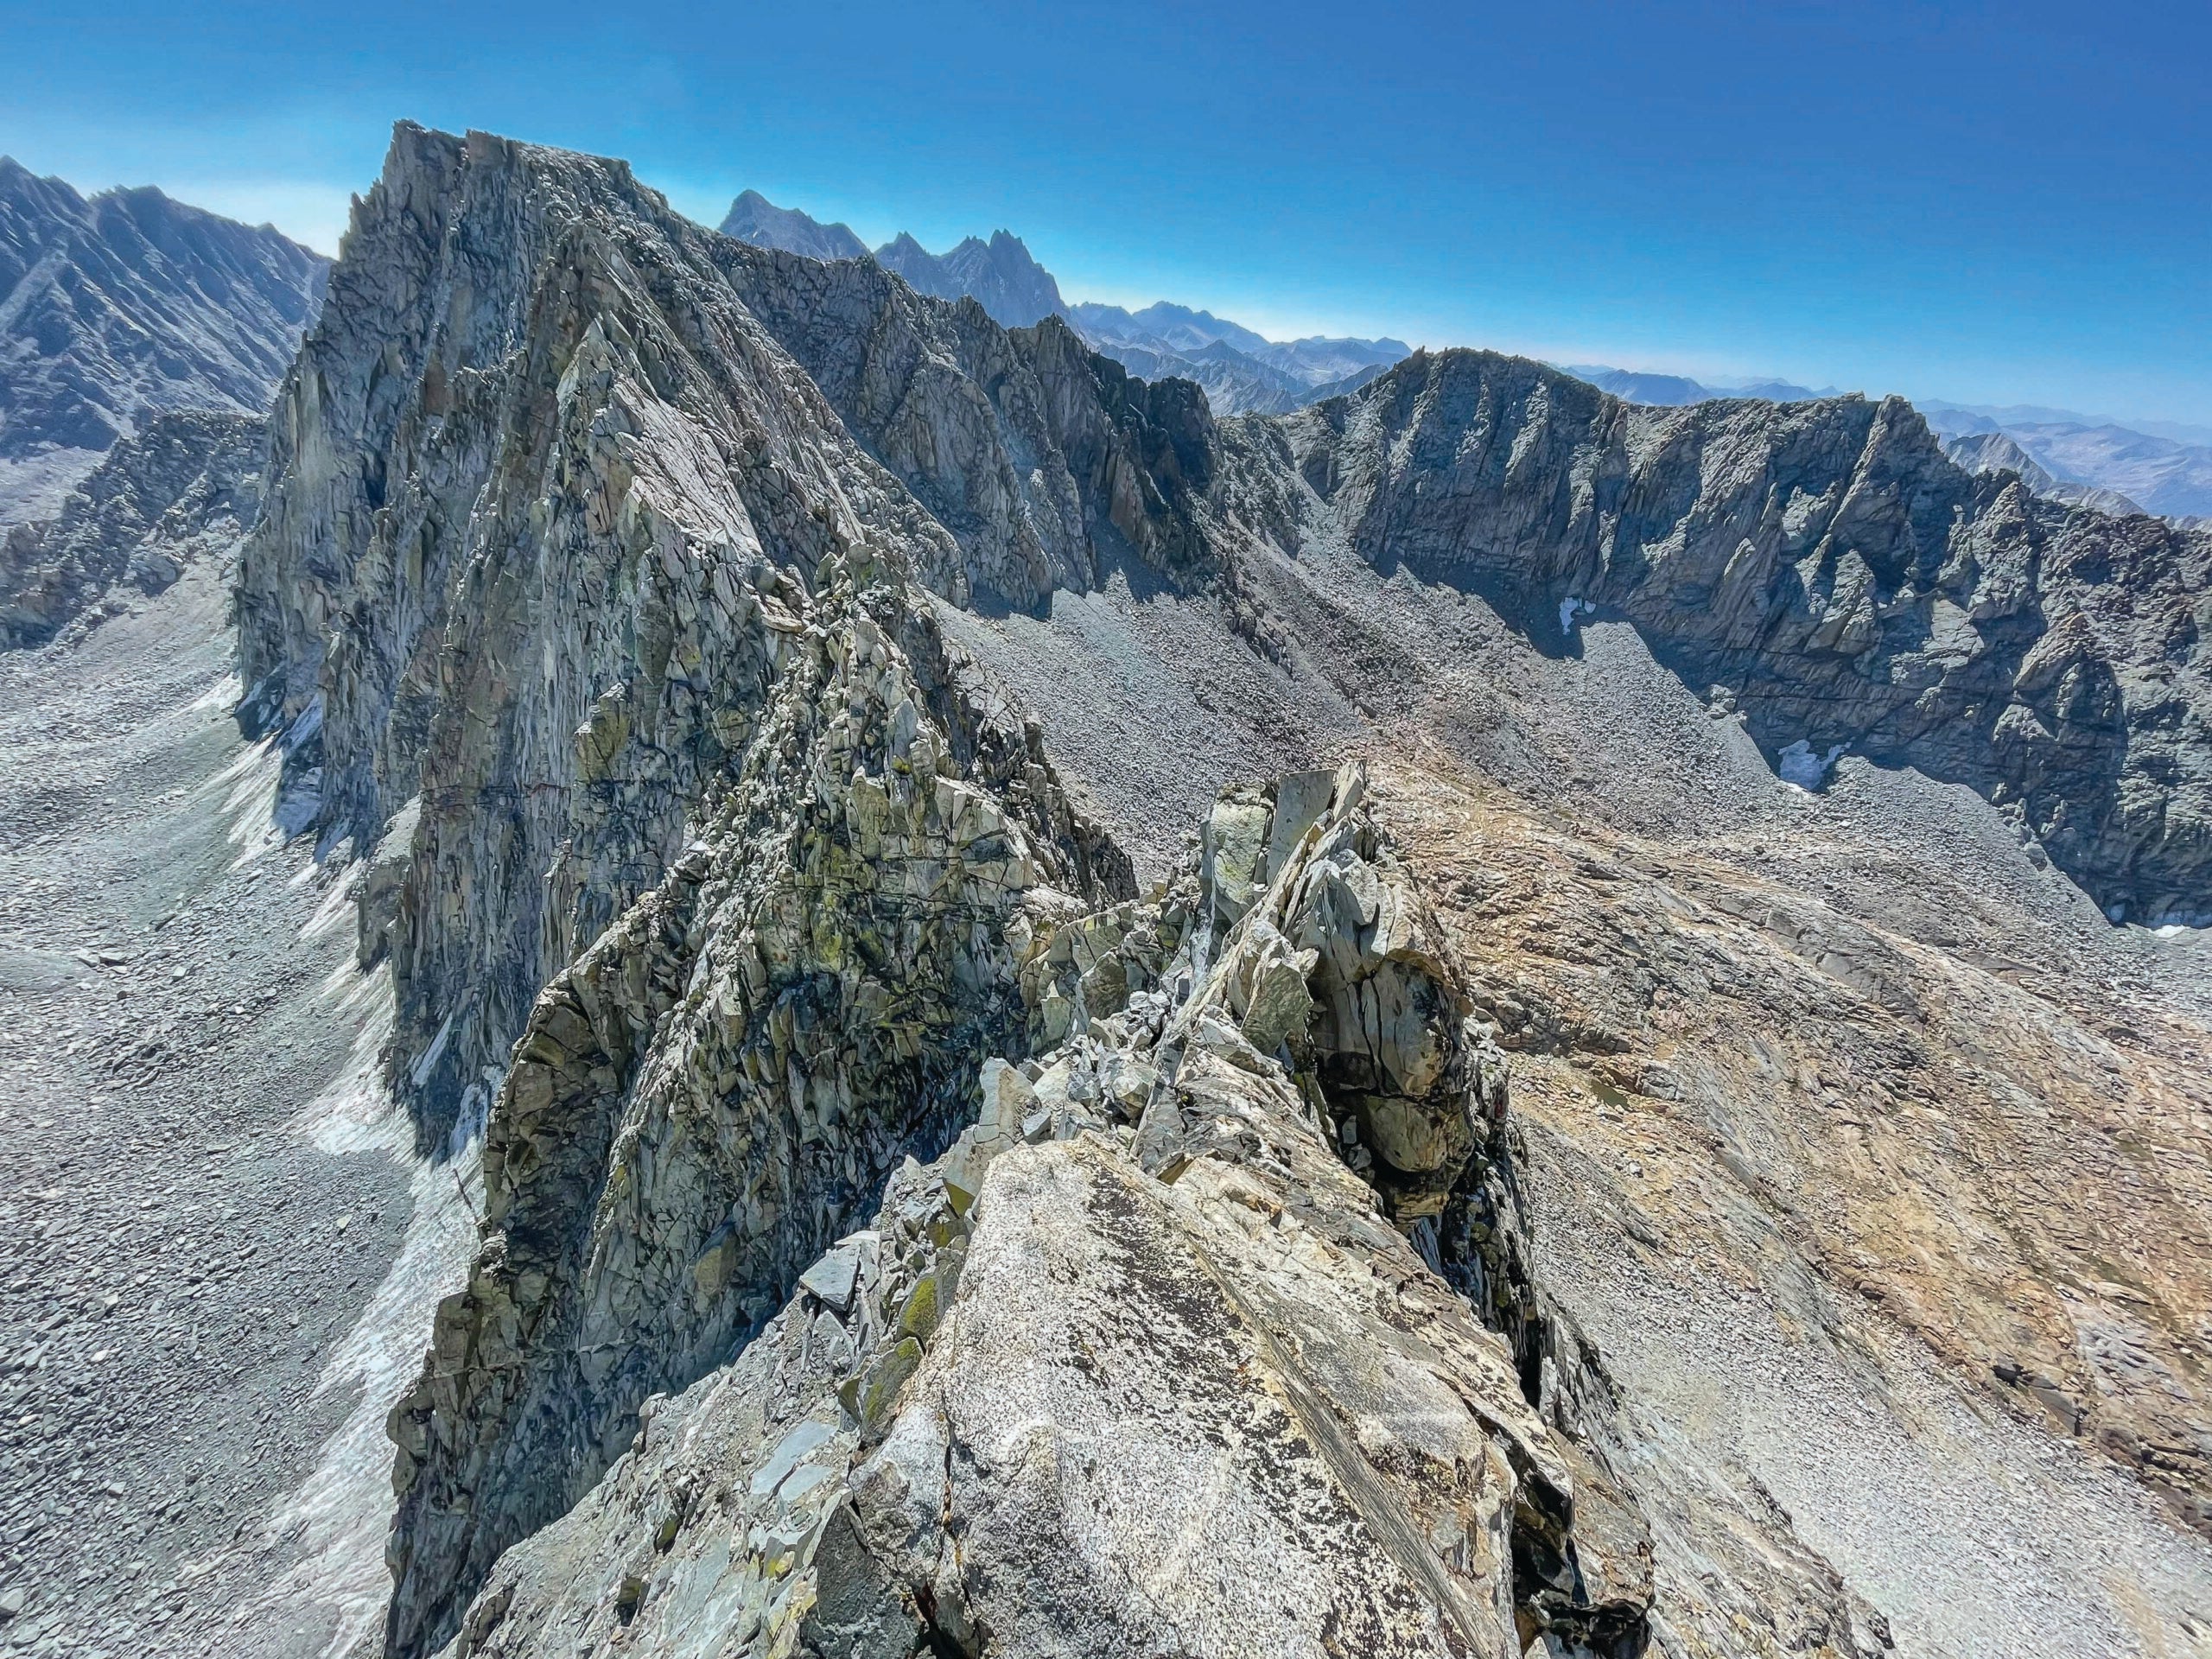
(1140, 1364)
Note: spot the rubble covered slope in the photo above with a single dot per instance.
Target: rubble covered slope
(931, 1206)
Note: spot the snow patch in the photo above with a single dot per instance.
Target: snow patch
(337, 1518)
(1568, 608)
(336, 910)
(1801, 768)
(249, 784)
(223, 694)
(424, 1066)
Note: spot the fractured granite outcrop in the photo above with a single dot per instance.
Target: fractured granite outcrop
(1824, 562)
(1140, 1364)
(721, 1082)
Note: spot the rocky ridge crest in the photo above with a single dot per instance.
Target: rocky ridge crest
(608, 592)
(1822, 566)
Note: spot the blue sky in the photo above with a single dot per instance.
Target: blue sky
(1983, 202)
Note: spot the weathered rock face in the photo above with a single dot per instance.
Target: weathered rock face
(547, 493)
(127, 304)
(1997, 1162)
(186, 488)
(1140, 1365)
(720, 1085)
(1823, 562)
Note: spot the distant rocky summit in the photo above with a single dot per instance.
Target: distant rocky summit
(752, 218)
(2085, 455)
(1240, 371)
(1000, 274)
(115, 307)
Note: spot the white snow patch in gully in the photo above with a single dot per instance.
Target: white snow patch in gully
(1568, 608)
(337, 1519)
(1799, 767)
(250, 785)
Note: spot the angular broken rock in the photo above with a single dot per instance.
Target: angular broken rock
(1221, 1409)
(833, 1278)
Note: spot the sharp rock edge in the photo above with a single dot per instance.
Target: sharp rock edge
(601, 589)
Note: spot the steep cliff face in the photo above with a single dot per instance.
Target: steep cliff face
(541, 473)
(720, 1084)
(185, 489)
(1049, 463)
(1822, 562)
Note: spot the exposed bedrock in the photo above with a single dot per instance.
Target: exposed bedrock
(721, 1084)
(1822, 563)
(1142, 1363)
(546, 495)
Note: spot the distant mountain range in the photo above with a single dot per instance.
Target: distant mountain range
(119, 306)
(2061, 453)
(1638, 387)
(2159, 468)
(1241, 370)
(1005, 281)
(1997, 452)
(2164, 475)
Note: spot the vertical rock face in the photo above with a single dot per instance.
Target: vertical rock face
(546, 493)
(569, 567)
(115, 309)
(1823, 562)
(720, 1085)
(186, 487)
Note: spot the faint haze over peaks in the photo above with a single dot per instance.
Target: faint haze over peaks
(1878, 196)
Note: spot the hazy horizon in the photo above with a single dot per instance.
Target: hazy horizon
(1998, 206)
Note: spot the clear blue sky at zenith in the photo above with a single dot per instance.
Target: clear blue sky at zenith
(1984, 203)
